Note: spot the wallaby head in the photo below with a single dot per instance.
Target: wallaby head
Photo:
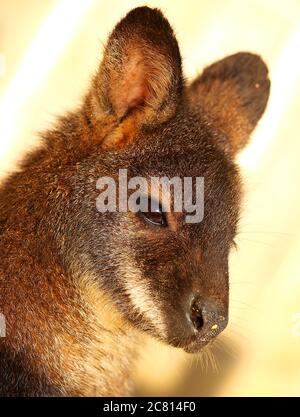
(169, 278)
(164, 275)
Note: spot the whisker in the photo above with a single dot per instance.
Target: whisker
(257, 241)
(221, 345)
(236, 333)
(264, 232)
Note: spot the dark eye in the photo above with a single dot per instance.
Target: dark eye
(155, 218)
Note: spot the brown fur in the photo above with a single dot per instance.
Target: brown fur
(79, 288)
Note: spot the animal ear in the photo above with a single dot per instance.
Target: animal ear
(140, 78)
(233, 93)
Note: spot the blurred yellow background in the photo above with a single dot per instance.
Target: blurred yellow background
(48, 51)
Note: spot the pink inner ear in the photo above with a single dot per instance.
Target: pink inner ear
(136, 96)
(131, 90)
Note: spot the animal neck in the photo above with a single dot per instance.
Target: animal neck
(108, 348)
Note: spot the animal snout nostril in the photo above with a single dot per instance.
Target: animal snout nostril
(207, 317)
(196, 315)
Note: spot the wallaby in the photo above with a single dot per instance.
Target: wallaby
(79, 287)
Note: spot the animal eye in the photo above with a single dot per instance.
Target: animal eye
(157, 218)
(154, 217)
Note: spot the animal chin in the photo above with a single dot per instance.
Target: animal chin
(195, 347)
(192, 345)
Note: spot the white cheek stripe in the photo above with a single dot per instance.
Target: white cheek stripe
(141, 299)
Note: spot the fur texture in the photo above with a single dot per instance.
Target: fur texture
(79, 288)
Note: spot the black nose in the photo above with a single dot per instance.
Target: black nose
(207, 319)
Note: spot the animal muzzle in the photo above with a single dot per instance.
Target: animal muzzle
(206, 320)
